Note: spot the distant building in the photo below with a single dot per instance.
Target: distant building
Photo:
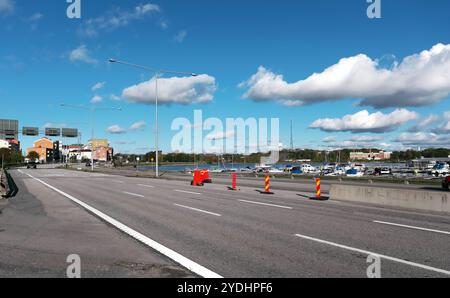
(9, 130)
(101, 150)
(370, 155)
(14, 145)
(43, 147)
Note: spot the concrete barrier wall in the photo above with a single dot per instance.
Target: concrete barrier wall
(405, 198)
(4, 184)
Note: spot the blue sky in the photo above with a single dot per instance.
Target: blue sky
(47, 59)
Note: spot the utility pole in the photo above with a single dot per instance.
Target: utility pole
(292, 139)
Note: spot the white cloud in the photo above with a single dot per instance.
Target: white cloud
(115, 97)
(330, 139)
(96, 99)
(138, 125)
(117, 18)
(365, 139)
(6, 6)
(419, 80)
(425, 123)
(364, 122)
(423, 139)
(98, 86)
(220, 135)
(116, 129)
(81, 54)
(181, 36)
(181, 90)
(35, 17)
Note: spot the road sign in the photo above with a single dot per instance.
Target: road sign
(30, 131)
(70, 132)
(53, 132)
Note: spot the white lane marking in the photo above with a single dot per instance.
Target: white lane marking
(188, 192)
(118, 181)
(265, 204)
(148, 186)
(366, 252)
(133, 194)
(411, 227)
(199, 210)
(183, 261)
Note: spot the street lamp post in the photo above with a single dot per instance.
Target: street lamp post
(92, 111)
(157, 72)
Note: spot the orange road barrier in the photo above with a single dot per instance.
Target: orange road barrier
(233, 182)
(318, 192)
(200, 177)
(267, 186)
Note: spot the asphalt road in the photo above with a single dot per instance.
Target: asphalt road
(247, 234)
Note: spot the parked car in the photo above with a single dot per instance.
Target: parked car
(446, 183)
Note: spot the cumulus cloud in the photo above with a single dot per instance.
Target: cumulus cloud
(96, 99)
(116, 129)
(6, 7)
(81, 54)
(138, 125)
(98, 86)
(181, 90)
(117, 18)
(362, 122)
(419, 80)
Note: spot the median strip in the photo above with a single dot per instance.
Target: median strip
(265, 204)
(366, 252)
(199, 210)
(178, 258)
(411, 227)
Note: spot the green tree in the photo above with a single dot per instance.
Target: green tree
(33, 156)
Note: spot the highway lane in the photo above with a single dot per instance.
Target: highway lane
(253, 240)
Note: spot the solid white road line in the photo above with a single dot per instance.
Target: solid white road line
(188, 192)
(183, 261)
(148, 186)
(411, 227)
(133, 194)
(375, 254)
(199, 210)
(265, 204)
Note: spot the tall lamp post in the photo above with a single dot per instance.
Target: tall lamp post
(157, 72)
(92, 111)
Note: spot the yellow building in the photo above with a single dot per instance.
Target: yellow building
(43, 147)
